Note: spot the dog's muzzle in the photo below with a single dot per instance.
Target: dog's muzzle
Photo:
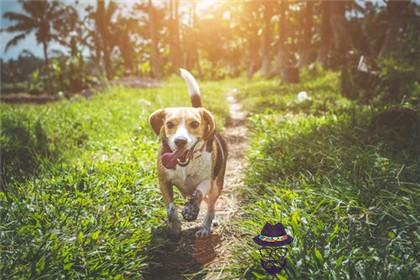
(181, 156)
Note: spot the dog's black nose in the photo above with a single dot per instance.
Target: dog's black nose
(180, 142)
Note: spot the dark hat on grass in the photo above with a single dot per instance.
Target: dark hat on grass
(273, 235)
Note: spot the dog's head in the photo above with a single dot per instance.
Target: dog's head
(183, 127)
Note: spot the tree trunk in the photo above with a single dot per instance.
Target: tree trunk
(107, 60)
(195, 56)
(395, 10)
(252, 37)
(325, 45)
(253, 51)
(191, 60)
(342, 40)
(155, 61)
(306, 47)
(175, 51)
(102, 29)
(46, 59)
(47, 66)
(266, 48)
(282, 56)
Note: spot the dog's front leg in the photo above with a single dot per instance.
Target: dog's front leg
(211, 197)
(168, 196)
(192, 208)
(205, 229)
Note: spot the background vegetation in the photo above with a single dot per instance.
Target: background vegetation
(105, 40)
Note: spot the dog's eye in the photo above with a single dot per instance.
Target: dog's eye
(194, 124)
(170, 125)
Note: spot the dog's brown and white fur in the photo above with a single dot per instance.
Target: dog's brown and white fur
(202, 178)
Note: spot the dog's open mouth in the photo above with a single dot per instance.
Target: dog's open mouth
(179, 156)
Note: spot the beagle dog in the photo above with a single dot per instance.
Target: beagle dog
(192, 157)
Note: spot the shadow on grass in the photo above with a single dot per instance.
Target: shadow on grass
(176, 259)
(23, 148)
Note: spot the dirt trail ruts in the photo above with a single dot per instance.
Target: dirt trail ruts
(228, 205)
(205, 258)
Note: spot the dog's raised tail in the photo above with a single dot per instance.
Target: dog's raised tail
(193, 88)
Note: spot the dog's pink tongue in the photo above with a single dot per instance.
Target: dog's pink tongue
(169, 160)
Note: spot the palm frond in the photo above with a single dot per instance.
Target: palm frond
(36, 8)
(21, 27)
(18, 17)
(15, 40)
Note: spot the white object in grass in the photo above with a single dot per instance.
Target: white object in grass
(302, 96)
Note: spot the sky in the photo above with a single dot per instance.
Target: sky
(30, 43)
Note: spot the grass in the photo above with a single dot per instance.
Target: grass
(349, 198)
(81, 195)
(82, 200)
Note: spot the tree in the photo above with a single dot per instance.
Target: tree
(155, 59)
(103, 36)
(306, 46)
(282, 56)
(124, 28)
(250, 18)
(325, 34)
(69, 30)
(174, 41)
(38, 17)
(266, 50)
(338, 22)
(191, 38)
(396, 10)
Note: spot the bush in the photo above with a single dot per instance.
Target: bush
(396, 80)
(7, 88)
(69, 75)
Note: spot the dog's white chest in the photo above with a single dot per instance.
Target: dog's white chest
(188, 177)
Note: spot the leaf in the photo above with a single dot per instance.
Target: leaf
(95, 235)
(391, 235)
(68, 266)
(40, 265)
(319, 256)
(80, 237)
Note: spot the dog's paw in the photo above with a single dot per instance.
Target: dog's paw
(202, 232)
(215, 222)
(192, 208)
(190, 211)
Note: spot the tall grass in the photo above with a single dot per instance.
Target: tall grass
(348, 197)
(81, 195)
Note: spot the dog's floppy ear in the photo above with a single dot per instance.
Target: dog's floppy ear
(211, 124)
(156, 120)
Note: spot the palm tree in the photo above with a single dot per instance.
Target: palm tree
(102, 34)
(38, 17)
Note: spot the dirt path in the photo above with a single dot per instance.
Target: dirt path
(227, 204)
(204, 258)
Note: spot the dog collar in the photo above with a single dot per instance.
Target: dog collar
(192, 154)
